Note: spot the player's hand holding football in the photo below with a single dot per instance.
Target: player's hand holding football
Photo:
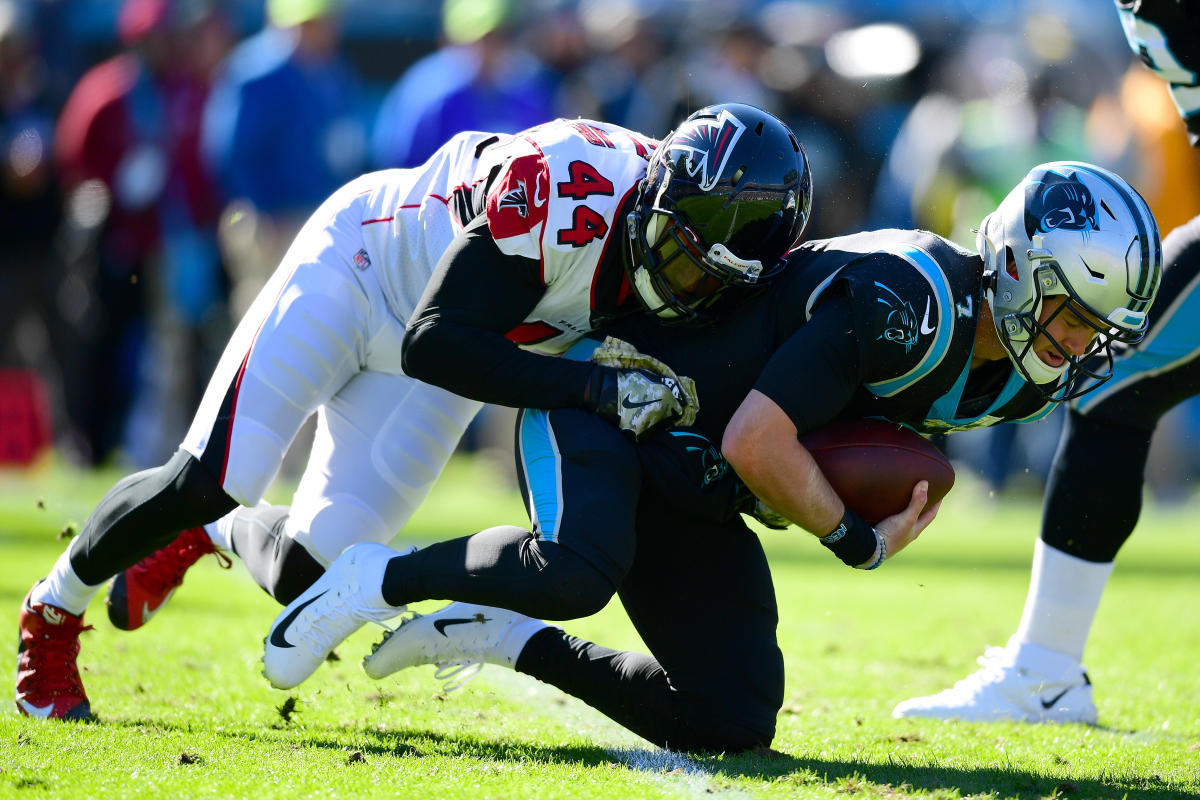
(900, 529)
(863, 546)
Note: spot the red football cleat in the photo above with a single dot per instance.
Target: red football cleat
(48, 682)
(137, 594)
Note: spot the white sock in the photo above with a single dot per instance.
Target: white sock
(64, 589)
(515, 639)
(220, 532)
(1064, 593)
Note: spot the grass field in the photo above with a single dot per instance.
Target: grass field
(182, 711)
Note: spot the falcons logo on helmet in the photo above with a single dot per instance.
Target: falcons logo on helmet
(707, 145)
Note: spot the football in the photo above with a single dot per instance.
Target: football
(873, 465)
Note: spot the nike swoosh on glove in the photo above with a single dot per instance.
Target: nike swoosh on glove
(638, 392)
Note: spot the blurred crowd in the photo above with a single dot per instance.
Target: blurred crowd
(157, 156)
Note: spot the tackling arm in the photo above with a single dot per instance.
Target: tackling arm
(456, 337)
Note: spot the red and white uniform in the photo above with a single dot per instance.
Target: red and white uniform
(325, 333)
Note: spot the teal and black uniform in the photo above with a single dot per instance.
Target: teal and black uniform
(875, 324)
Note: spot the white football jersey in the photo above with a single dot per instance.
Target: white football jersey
(551, 193)
(556, 200)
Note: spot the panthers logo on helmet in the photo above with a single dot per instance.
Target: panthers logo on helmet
(1058, 202)
(707, 144)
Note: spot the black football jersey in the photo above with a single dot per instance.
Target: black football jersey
(876, 324)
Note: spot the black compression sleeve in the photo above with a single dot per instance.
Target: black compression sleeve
(815, 373)
(456, 337)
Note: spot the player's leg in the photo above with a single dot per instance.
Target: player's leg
(306, 334)
(1089, 513)
(715, 679)
(380, 444)
(300, 342)
(582, 479)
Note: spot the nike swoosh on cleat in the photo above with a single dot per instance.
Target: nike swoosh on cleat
(629, 404)
(277, 637)
(1048, 704)
(34, 711)
(442, 624)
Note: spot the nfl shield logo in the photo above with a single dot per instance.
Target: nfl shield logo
(362, 260)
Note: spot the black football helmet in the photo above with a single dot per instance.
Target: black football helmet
(725, 196)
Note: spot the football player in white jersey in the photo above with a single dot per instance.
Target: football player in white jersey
(408, 299)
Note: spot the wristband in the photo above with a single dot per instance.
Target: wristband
(880, 553)
(854, 541)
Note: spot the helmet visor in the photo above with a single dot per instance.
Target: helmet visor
(680, 267)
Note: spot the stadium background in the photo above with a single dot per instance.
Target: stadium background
(913, 114)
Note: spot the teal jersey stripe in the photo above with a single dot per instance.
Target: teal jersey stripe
(928, 267)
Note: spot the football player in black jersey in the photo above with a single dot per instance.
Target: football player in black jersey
(1038, 676)
(896, 324)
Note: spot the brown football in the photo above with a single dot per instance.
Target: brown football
(873, 465)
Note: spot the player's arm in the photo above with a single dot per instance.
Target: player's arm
(456, 337)
(813, 375)
(807, 383)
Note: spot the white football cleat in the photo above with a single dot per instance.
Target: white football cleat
(459, 638)
(341, 600)
(1021, 683)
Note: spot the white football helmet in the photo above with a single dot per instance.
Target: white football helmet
(1074, 229)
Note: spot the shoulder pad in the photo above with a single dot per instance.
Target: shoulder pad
(516, 205)
(903, 310)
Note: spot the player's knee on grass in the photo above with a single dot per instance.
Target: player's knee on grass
(706, 724)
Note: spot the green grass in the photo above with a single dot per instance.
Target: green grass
(182, 710)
